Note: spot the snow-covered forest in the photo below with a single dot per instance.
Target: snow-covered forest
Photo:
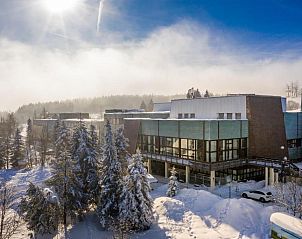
(86, 176)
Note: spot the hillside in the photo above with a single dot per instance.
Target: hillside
(89, 105)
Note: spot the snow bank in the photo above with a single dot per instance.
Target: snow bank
(201, 214)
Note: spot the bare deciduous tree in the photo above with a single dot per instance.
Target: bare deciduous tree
(289, 195)
(9, 219)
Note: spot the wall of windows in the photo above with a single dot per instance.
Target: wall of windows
(194, 149)
(294, 143)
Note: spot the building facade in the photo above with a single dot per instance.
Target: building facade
(210, 140)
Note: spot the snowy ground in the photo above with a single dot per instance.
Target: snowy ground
(193, 213)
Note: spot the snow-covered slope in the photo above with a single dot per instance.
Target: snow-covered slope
(190, 214)
(201, 214)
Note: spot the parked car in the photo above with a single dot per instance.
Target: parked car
(258, 195)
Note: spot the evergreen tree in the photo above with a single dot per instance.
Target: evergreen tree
(29, 143)
(17, 150)
(121, 144)
(2, 154)
(11, 124)
(111, 181)
(93, 177)
(40, 210)
(7, 147)
(143, 106)
(84, 156)
(150, 105)
(136, 205)
(173, 184)
(63, 179)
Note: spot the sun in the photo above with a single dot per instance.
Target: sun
(59, 6)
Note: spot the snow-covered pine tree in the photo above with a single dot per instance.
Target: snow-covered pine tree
(173, 184)
(111, 181)
(40, 211)
(121, 144)
(63, 179)
(29, 143)
(2, 154)
(84, 156)
(17, 150)
(136, 205)
(7, 150)
(93, 176)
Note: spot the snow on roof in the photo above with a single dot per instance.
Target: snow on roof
(294, 111)
(287, 222)
(299, 165)
(139, 113)
(76, 120)
(188, 119)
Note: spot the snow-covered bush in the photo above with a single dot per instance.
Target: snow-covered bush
(173, 184)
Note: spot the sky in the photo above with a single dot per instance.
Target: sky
(146, 47)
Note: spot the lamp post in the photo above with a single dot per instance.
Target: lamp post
(284, 160)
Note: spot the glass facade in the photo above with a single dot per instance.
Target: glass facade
(194, 149)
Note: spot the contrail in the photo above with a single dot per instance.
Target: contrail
(100, 15)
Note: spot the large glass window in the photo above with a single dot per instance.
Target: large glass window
(200, 150)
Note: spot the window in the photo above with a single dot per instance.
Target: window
(229, 115)
(238, 116)
(180, 116)
(192, 115)
(186, 116)
(220, 115)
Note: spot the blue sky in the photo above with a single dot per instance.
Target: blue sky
(249, 20)
(223, 45)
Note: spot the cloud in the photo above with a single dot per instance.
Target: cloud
(170, 60)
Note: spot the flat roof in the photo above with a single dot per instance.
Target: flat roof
(139, 113)
(186, 119)
(228, 96)
(76, 120)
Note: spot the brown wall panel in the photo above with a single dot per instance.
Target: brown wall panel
(131, 130)
(266, 127)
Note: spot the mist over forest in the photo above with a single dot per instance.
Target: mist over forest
(95, 105)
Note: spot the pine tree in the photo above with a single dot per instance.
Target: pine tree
(143, 106)
(136, 206)
(64, 179)
(17, 150)
(84, 156)
(29, 143)
(11, 124)
(111, 181)
(7, 147)
(2, 154)
(150, 105)
(93, 177)
(40, 210)
(121, 144)
(173, 184)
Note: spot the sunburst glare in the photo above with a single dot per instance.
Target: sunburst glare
(59, 6)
